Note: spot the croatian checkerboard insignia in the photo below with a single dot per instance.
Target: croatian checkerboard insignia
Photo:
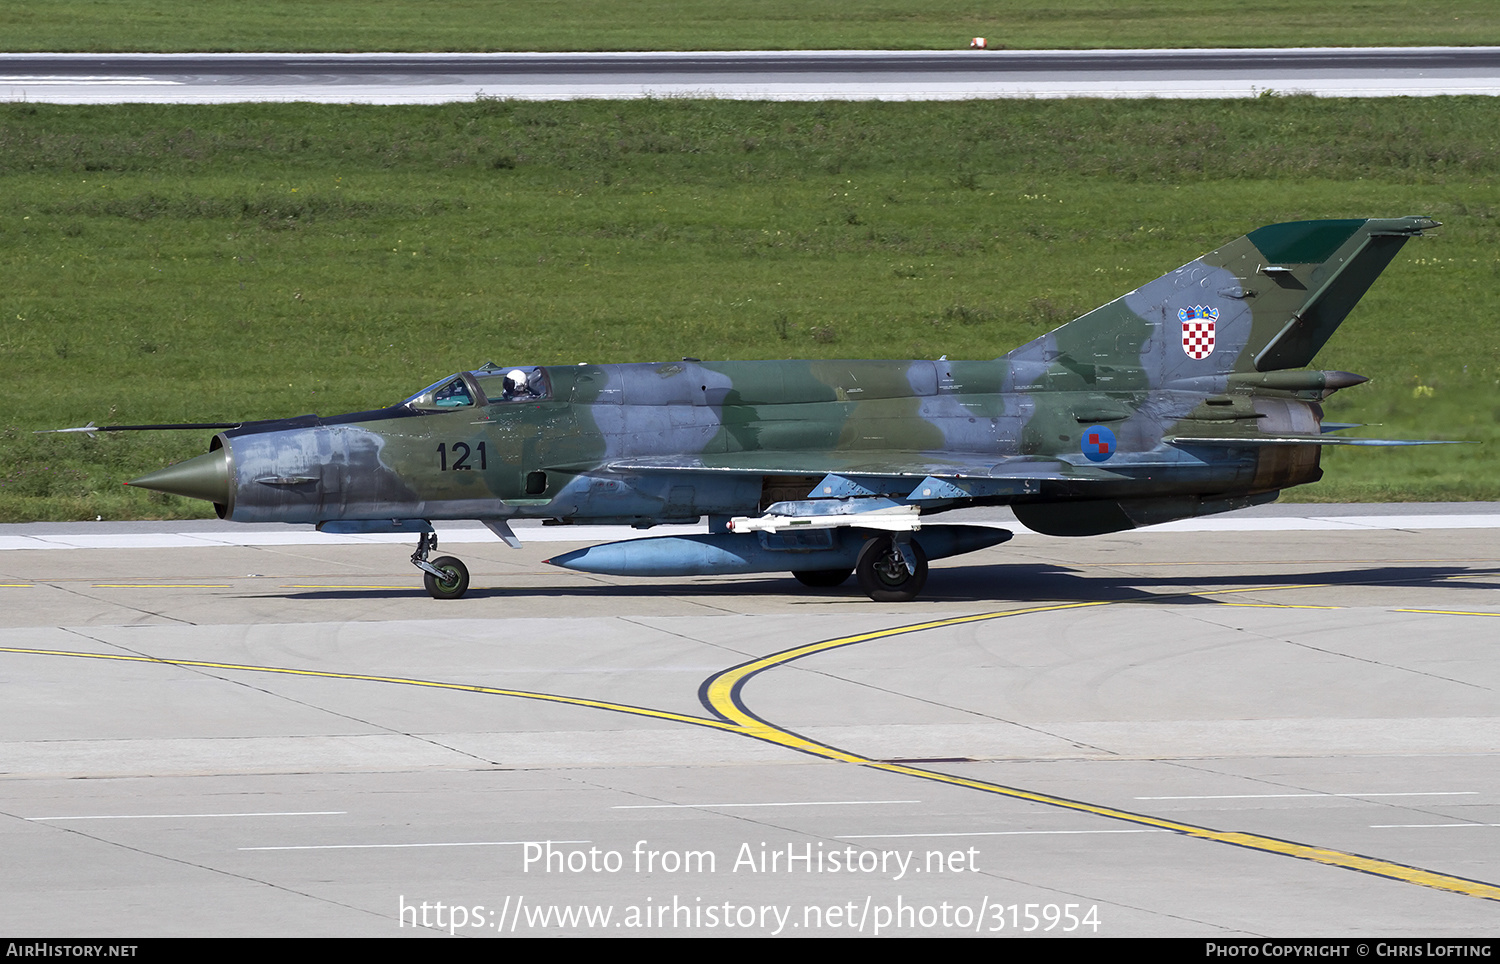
(1198, 324)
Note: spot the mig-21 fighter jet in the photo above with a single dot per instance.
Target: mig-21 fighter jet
(1188, 396)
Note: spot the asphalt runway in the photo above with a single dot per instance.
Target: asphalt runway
(1271, 726)
(754, 75)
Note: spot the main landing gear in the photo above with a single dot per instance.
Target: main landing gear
(445, 577)
(891, 568)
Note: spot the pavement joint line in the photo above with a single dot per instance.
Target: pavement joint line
(735, 806)
(1356, 796)
(1240, 605)
(1427, 826)
(403, 846)
(347, 586)
(991, 833)
(184, 816)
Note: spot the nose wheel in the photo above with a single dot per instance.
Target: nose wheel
(444, 577)
(452, 584)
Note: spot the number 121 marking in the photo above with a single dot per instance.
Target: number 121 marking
(461, 452)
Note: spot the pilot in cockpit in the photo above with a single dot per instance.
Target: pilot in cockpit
(518, 386)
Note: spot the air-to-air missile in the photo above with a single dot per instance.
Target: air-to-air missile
(1190, 395)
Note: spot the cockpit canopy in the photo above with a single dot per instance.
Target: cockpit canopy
(491, 385)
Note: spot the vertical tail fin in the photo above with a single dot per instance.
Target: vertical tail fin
(1267, 301)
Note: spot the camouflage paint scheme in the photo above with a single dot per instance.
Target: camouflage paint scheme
(1184, 397)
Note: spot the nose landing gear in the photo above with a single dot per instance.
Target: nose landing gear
(444, 577)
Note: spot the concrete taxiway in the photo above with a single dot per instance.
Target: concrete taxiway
(1282, 723)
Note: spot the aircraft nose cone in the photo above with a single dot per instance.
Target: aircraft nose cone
(205, 477)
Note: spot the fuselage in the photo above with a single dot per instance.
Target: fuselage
(650, 443)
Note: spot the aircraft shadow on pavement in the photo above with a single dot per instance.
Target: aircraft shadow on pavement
(1019, 583)
(996, 584)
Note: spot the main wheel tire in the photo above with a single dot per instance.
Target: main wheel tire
(454, 586)
(823, 578)
(882, 573)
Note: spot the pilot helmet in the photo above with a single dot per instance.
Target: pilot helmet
(515, 381)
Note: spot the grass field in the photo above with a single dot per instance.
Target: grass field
(387, 25)
(218, 263)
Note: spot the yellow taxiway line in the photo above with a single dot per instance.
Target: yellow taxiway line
(723, 693)
(400, 680)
